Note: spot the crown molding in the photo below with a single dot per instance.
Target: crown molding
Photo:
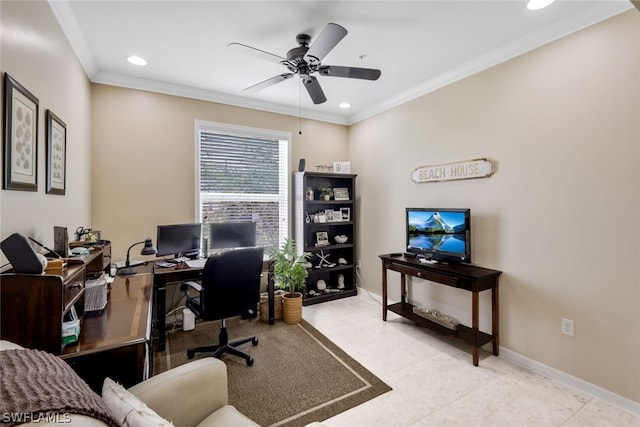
(590, 16)
(114, 79)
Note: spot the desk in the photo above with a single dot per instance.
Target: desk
(115, 343)
(163, 277)
(463, 276)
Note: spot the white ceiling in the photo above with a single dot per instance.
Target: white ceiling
(420, 46)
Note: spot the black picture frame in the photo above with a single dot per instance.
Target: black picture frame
(56, 154)
(20, 142)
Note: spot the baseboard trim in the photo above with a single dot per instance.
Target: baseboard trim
(581, 385)
(621, 402)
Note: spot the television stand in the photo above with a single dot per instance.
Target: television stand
(463, 276)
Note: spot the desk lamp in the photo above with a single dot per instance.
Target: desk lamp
(148, 249)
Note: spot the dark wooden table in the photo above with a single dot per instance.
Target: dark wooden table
(471, 278)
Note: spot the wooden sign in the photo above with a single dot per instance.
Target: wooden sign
(476, 168)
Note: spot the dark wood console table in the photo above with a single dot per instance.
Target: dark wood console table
(463, 276)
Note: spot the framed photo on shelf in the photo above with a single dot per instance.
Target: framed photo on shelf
(328, 213)
(322, 238)
(56, 154)
(20, 137)
(345, 214)
(341, 194)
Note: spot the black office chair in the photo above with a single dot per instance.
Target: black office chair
(230, 287)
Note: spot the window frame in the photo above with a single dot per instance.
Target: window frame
(226, 128)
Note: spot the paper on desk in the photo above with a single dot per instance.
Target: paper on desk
(196, 263)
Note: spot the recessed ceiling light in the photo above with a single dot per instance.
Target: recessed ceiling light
(344, 105)
(136, 60)
(538, 4)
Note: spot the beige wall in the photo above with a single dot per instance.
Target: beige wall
(143, 157)
(561, 122)
(561, 215)
(35, 52)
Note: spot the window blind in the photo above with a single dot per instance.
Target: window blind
(243, 177)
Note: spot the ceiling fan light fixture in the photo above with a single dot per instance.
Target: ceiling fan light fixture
(136, 60)
(538, 4)
(344, 105)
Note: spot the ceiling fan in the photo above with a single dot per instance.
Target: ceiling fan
(305, 60)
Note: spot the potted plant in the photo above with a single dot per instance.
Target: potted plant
(327, 192)
(290, 272)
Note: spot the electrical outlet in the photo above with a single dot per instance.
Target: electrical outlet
(566, 327)
(358, 264)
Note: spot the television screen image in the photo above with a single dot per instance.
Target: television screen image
(179, 239)
(440, 234)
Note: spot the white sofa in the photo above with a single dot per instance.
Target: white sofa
(194, 394)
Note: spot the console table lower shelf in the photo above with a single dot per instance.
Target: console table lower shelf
(463, 332)
(462, 276)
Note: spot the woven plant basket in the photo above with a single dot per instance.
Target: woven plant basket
(292, 309)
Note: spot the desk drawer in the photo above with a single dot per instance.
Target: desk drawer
(427, 275)
(71, 291)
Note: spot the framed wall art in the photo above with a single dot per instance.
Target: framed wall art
(56, 154)
(20, 137)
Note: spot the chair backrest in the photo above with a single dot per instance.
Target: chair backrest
(231, 282)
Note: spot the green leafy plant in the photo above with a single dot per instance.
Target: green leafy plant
(289, 267)
(326, 191)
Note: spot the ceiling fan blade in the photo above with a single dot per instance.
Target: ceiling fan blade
(349, 72)
(269, 82)
(327, 40)
(315, 91)
(243, 48)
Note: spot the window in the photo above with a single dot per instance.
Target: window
(242, 175)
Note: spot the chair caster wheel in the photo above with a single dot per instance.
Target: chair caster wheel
(254, 342)
(250, 361)
(190, 354)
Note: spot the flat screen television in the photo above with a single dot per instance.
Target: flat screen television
(179, 240)
(232, 235)
(440, 234)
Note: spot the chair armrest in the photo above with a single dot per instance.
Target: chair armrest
(188, 393)
(193, 285)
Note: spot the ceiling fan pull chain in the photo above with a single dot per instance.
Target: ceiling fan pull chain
(300, 106)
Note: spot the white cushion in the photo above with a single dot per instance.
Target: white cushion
(128, 409)
(227, 416)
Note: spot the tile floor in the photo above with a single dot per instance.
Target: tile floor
(435, 384)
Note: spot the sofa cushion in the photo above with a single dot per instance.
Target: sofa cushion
(128, 409)
(227, 416)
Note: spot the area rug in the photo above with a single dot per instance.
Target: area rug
(298, 376)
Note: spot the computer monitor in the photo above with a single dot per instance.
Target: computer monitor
(179, 239)
(232, 234)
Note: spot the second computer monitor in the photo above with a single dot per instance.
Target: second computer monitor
(179, 239)
(232, 234)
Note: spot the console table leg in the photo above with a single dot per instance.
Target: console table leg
(495, 319)
(475, 326)
(384, 292)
